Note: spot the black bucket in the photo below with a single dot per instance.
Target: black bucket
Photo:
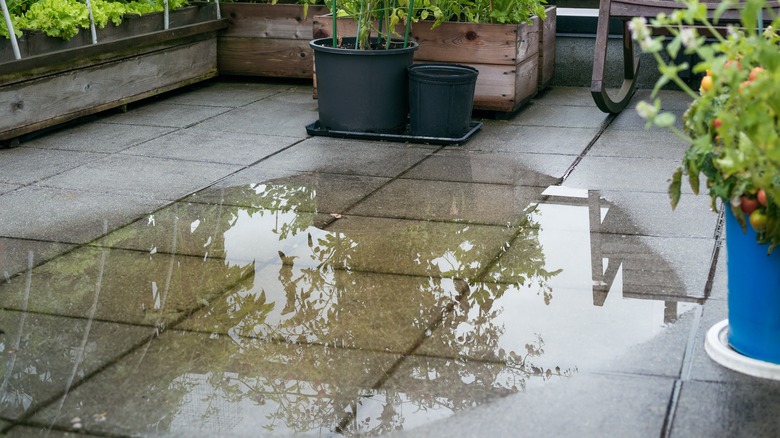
(362, 90)
(441, 97)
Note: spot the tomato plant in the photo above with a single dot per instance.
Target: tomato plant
(732, 125)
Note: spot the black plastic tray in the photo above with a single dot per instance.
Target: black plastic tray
(316, 129)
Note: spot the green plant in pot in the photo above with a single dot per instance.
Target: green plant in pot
(362, 82)
(489, 11)
(733, 129)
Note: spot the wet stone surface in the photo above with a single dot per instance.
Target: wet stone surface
(292, 320)
(320, 286)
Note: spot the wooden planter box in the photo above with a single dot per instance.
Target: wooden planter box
(547, 48)
(56, 80)
(508, 56)
(267, 40)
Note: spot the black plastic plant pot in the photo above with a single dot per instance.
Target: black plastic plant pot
(441, 97)
(362, 90)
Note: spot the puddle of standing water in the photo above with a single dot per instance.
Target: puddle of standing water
(252, 310)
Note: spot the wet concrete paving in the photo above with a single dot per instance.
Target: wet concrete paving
(199, 266)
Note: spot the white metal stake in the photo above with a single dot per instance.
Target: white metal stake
(219, 13)
(10, 27)
(92, 23)
(166, 18)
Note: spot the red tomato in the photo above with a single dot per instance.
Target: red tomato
(748, 204)
(755, 72)
(761, 197)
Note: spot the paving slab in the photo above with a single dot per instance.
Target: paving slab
(504, 136)
(703, 368)
(565, 96)
(663, 355)
(653, 143)
(15, 255)
(630, 119)
(419, 248)
(728, 409)
(219, 386)
(645, 267)
(651, 214)
(564, 329)
(34, 431)
(605, 229)
(134, 287)
(671, 100)
(425, 390)
(333, 155)
(46, 356)
(583, 406)
(163, 114)
(720, 284)
(285, 114)
(234, 234)
(290, 303)
(495, 204)
(311, 192)
(196, 144)
(521, 169)
(624, 174)
(97, 137)
(564, 116)
(158, 178)
(5, 188)
(230, 94)
(68, 216)
(22, 166)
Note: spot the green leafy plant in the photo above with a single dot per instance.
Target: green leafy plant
(377, 20)
(490, 11)
(733, 124)
(65, 18)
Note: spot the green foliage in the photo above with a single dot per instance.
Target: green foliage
(375, 17)
(56, 18)
(490, 11)
(380, 18)
(732, 125)
(65, 18)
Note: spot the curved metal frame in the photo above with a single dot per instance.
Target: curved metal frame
(599, 92)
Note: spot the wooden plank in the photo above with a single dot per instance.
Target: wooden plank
(459, 42)
(51, 100)
(66, 60)
(35, 42)
(547, 48)
(267, 40)
(258, 20)
(526, 82)
(265, 57)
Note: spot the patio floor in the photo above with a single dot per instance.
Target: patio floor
(199, 266)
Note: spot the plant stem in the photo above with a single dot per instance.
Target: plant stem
(335, 26)
(408, 23)
(675, 78)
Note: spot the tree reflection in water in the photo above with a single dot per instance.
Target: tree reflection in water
(327, 302)
(279, 318)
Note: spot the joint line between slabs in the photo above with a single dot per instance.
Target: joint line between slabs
(602, 129)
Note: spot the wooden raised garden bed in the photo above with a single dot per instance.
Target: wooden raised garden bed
(509, 57)
(267, 40)
(56, 80)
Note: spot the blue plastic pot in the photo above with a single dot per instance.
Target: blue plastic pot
(754, 294)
